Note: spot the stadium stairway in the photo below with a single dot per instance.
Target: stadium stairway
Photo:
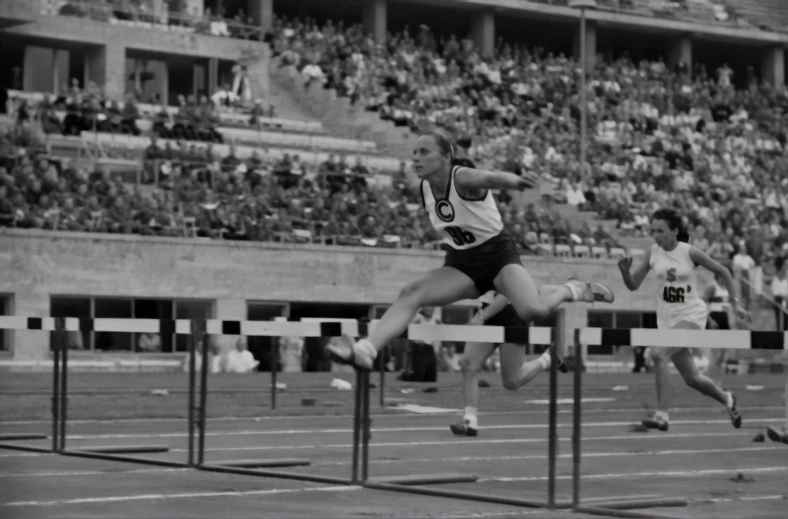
(338, 116)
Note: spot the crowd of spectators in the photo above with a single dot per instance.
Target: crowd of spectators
(659, 136)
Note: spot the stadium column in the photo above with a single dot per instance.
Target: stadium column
(262, 13)
(484, 32)
(590, 44)
(376, 19)
(106, 65)
(773, 67)
(681, 54)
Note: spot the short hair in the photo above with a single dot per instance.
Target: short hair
(674, 221)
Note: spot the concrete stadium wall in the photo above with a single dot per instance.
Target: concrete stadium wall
(36, 265)
(85, 31)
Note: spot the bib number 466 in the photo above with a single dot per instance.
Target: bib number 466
(673, 295)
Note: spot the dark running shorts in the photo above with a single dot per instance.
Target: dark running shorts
(483, 263)
(721, 318)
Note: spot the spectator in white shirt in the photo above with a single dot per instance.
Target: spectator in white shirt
(779, 289)
(240, 360)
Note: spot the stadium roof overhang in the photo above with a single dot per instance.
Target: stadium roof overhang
(625, 21)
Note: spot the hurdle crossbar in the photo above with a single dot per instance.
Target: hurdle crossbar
(491, 334)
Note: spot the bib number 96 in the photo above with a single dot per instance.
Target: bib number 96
(460, 236)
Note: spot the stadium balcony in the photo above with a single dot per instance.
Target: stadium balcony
(140, 17)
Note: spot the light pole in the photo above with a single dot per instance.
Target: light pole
(583, 5)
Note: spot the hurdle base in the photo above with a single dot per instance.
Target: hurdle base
(775, 434)
(632, 504)
(274, 474)
(126, 459)
(255, 464)
(18, 437)
(126, 449)
(611, 512)
(426, 479)
(467, 496)
(26, 448)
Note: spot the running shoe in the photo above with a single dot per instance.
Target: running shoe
(656, 422)
(734, 413)
(464, 429)
(361, 355)
(594, 292)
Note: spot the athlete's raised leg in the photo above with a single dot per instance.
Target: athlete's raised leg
(439, 287)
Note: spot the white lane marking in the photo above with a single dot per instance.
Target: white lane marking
(441, 428)
(615, 454)
(23, 455)
(471, 443)
(188, 495)
(680, 410)
(565, 401)
(661, 473)
(86, 473)
(422, 409)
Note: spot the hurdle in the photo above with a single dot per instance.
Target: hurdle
(602, 340)
(199, 329)
(416, 484)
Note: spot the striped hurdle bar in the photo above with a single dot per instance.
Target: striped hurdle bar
(591, 337)
(362, 422)
(602, 341)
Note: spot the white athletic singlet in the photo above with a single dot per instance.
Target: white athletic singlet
(464, 222)
(678, 298)
(720, 300)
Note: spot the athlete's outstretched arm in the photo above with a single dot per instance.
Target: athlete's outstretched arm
(470, 179)
(633, 281)
(714, 266)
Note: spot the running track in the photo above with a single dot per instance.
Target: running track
(698, 459)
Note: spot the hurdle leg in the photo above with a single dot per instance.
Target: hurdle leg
(552, 434)
(576, 417)
(274, 362)
(383, 375)
(63, 395)
(356, 428)
(56, 389)
(366, 422)
(203, 410)
(192, 388)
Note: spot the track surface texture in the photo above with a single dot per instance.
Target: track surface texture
(719, 470)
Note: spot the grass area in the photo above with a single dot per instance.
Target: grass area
(26, 396)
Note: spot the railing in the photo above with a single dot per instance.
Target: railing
(122, 12)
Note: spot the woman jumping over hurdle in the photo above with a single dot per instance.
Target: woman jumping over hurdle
(515, 370)
(481, 256)
(680, 305)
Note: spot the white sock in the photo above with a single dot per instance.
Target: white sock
(544, 360)
(575, 290)
(470, 416)
(367, 347)
(729, 403)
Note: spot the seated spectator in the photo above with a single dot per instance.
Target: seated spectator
(240, 360)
